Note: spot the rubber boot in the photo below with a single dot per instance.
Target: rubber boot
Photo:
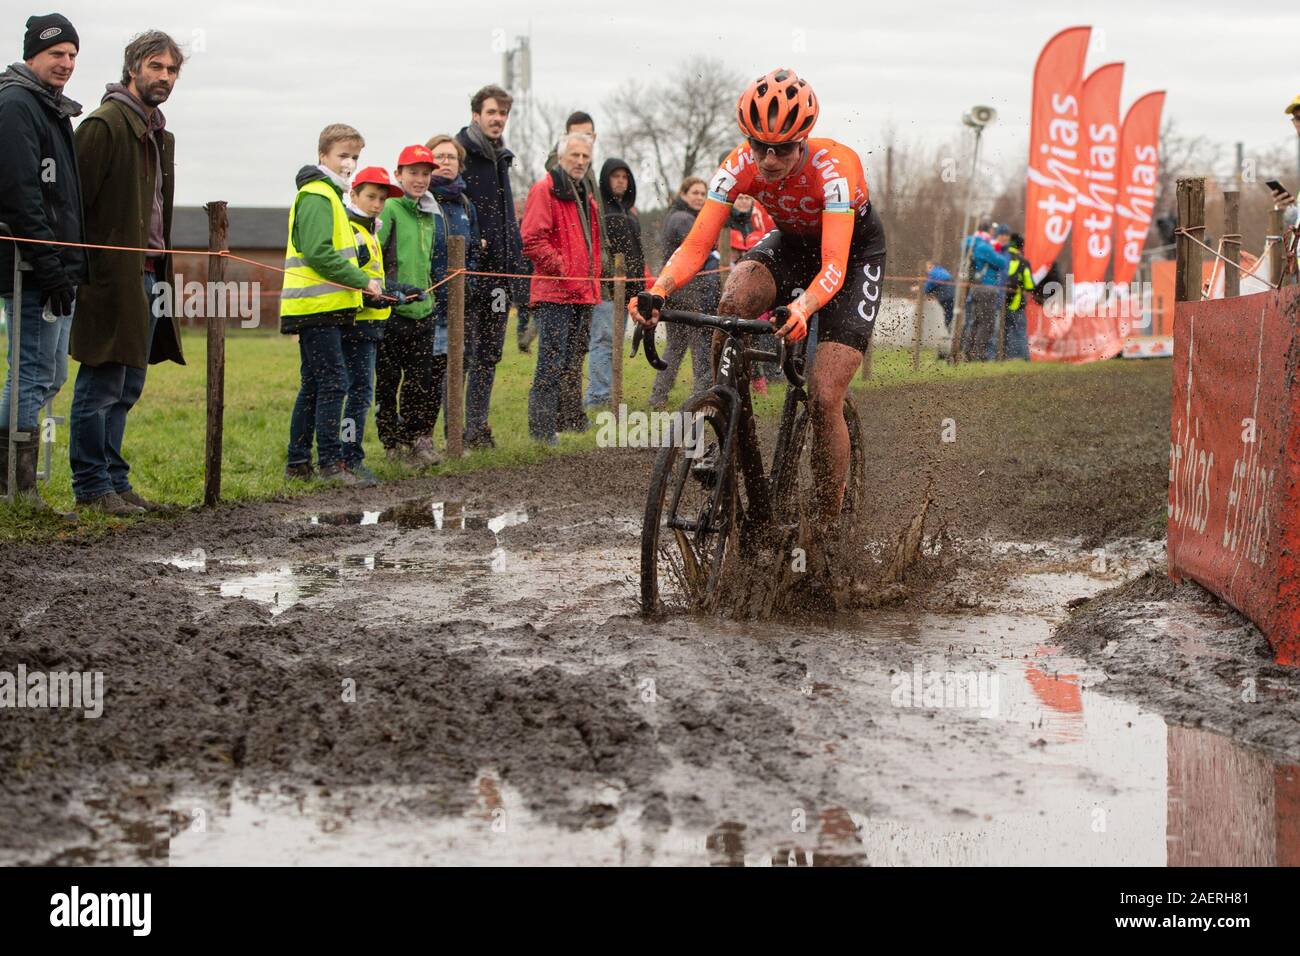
(28, 452)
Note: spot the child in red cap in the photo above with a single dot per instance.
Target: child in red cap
(404, 366)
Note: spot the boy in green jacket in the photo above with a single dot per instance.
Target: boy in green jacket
(404, 398)
(322, 292)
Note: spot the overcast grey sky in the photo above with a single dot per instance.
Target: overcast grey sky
(264, 77)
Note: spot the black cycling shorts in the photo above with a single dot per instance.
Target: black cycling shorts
(794, 261)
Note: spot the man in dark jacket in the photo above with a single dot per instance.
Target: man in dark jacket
(622, 235)
(126, 157)
(40, 198)
(487, 184)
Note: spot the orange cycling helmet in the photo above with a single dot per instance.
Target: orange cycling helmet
(777, 108)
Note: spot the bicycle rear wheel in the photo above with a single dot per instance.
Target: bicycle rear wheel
(793, 485)
(690, 516)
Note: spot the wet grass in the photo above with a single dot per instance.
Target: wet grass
(165, 434)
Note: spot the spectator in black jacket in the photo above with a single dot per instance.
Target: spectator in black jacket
(40, 198)
(487, 184)
(699, 295)
(622, 234)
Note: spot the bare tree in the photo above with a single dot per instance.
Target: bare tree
(676, 128)
(533, 132)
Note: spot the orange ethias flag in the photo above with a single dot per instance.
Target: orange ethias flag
(1094, 213)
(1054, 141)
(1139, 164)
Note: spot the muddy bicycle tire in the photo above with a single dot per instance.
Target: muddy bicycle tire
(679, 569)
(792, 473)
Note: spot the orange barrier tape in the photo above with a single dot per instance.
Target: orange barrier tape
(227, 254)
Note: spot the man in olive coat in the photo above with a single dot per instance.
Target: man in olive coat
(120, 325)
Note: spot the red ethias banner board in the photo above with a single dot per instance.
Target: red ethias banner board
(1094, 213)
(1234, 458)
(1139, 165)
(1054, 147)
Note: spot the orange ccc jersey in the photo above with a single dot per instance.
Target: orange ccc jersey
(820, 198)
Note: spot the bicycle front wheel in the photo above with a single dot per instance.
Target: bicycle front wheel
(691, 512)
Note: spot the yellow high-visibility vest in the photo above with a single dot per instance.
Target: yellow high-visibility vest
(373, 268)
(307, 292)
(1019, 279)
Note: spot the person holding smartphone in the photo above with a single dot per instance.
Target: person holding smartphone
(1281, 196)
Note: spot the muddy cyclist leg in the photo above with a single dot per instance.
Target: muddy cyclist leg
(832, 372)
(750, 291)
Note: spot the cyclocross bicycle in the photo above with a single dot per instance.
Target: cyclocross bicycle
(704, 510)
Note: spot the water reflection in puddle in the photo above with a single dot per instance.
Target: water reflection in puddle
(1222, 806)
(287, 585)
(421, 513)
(1042, 770)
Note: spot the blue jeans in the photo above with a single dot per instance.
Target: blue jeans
(43, 363)
(319, 405)
(359, 358)
(600, 354)
(101, 399)
(1017, 335)
(485, 336)
(560, 330)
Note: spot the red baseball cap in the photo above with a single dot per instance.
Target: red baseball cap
(379, 176)
(413, 155)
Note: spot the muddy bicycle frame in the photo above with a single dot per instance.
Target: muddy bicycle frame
(731, 385)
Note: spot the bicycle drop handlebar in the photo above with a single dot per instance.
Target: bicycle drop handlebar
(730, 324)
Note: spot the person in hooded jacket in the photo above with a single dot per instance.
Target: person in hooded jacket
(448, 188)
(699, 295)
(36, 129)
(622, 235)
(323, 291)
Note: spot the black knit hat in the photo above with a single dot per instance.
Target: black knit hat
(47, 31)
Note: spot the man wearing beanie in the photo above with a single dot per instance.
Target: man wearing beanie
(123, 325)
(40, 198)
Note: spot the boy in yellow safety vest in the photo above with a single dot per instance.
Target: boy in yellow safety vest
(321, 296)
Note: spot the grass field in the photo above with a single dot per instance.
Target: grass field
(165, 432)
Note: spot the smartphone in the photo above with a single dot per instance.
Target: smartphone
(1274, 185)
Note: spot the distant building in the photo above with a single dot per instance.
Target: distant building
(256, 232)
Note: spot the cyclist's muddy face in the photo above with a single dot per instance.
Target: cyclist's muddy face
(773, 167)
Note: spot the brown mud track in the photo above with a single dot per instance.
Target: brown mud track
(467, 649)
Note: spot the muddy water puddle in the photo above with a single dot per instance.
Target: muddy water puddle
(903, 739)
(421, 558)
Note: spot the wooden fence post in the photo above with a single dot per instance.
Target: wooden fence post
(918, 330)
(1231, 243)
(1277, 254)
(455, 347)
(1191, 223)
(918, 326)
(620, 322)
(218, 229)
(958, 309)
